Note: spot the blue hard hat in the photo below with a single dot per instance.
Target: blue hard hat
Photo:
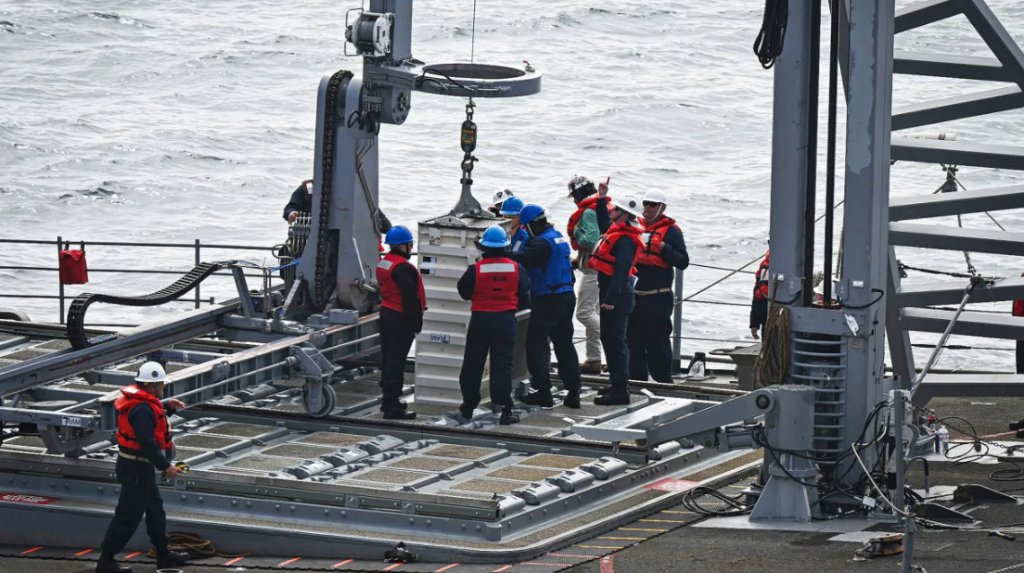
(398, 235)
(495, 237)
(511, 206)
(530, 212)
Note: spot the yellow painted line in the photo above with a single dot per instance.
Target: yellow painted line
(671, 512)
(664, 521)
(599, 546)
(642, 529)
(604, 538)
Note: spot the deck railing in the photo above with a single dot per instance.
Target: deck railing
(198, 248)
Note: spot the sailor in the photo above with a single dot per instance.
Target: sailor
(759, 303)
(144, 447)
(613, 259)
(498, 287)
(650, 325)
(510, 210)
(498, 199)
(403, 301)
(583, 236)
(546, 258)
(301, 201)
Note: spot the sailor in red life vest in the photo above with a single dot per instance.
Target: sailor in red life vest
(613, 259)
(498, 287)
(403, 301)
(144, 447)
(1018, 310)
(583, 236)
(650, 325)
(759, 304)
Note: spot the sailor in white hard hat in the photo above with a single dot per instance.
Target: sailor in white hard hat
(650, 325)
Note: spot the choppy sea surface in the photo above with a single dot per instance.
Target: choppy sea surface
(175, 121)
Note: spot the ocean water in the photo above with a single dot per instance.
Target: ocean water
(175, 121)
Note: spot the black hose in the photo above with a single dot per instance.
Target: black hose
(769, 41)
(812, 151)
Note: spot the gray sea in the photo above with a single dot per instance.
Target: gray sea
(174, 121)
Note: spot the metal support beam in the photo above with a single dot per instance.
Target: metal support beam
(959, 203)
(924, 13)
(995, 35)
(900, 351)
(956, 239)
(957, 153)
(937, 293)
(950, 66)
(968, 386)
(958, 107)
(970, 323)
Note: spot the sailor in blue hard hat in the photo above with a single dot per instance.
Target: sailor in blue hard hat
(497, 287)
(546, 257)
(403, 301)
(510, 209)
(498, 200)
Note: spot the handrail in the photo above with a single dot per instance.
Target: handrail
(197, 247)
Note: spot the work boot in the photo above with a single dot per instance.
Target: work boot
(171, 559)
(612, 399)
(572, 400)
(398, 405)
(466, 412)
(592, 367)
(604, 391)
(539, 398)
(508, 416)
(399, 414)
(108, 565)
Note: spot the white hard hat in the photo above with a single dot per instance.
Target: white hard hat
(630, 204)
(501, 196)
(656, 196)
(151, 372)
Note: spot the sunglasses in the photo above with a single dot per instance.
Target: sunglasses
(651, 204)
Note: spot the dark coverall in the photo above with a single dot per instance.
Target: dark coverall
(550, 319)
(139, 492)
(299, 201)
(650, 325)
(617, 291)
(397, 331)
(493, 332)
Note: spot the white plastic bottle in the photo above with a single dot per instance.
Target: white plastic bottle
(942, 435)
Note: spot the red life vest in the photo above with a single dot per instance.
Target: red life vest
(660, 229)
(497, 285)
(761, 279)
(603, 261)
(574, 219)
(390, 294)
(132, 396)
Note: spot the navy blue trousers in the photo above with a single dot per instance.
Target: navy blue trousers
(551, 320)
(491, 333)
(649, 334)
(139, 495)
(614, 323)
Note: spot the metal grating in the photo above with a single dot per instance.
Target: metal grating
(556, 461)
(298, 451)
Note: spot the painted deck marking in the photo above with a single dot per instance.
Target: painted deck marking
(572, 555)
(503, 568)
(542, 564)
(446, 567)
(235, 560)
(83, 552)
(342, 563)
(289, 562)
(664, 521)
(607, 564)
(623, 538)
(659, 530)
(132, 555)
(32, 550)
(677, 512)
(394, 566)
(600, 546)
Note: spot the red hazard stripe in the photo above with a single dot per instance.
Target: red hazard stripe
(289, 562)
(132, 555)
(608, 564)
(500, 569)
(446, 567)
(395, 566)
(83, 552)
(342, 563)
(32, 550)
(233, 561)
